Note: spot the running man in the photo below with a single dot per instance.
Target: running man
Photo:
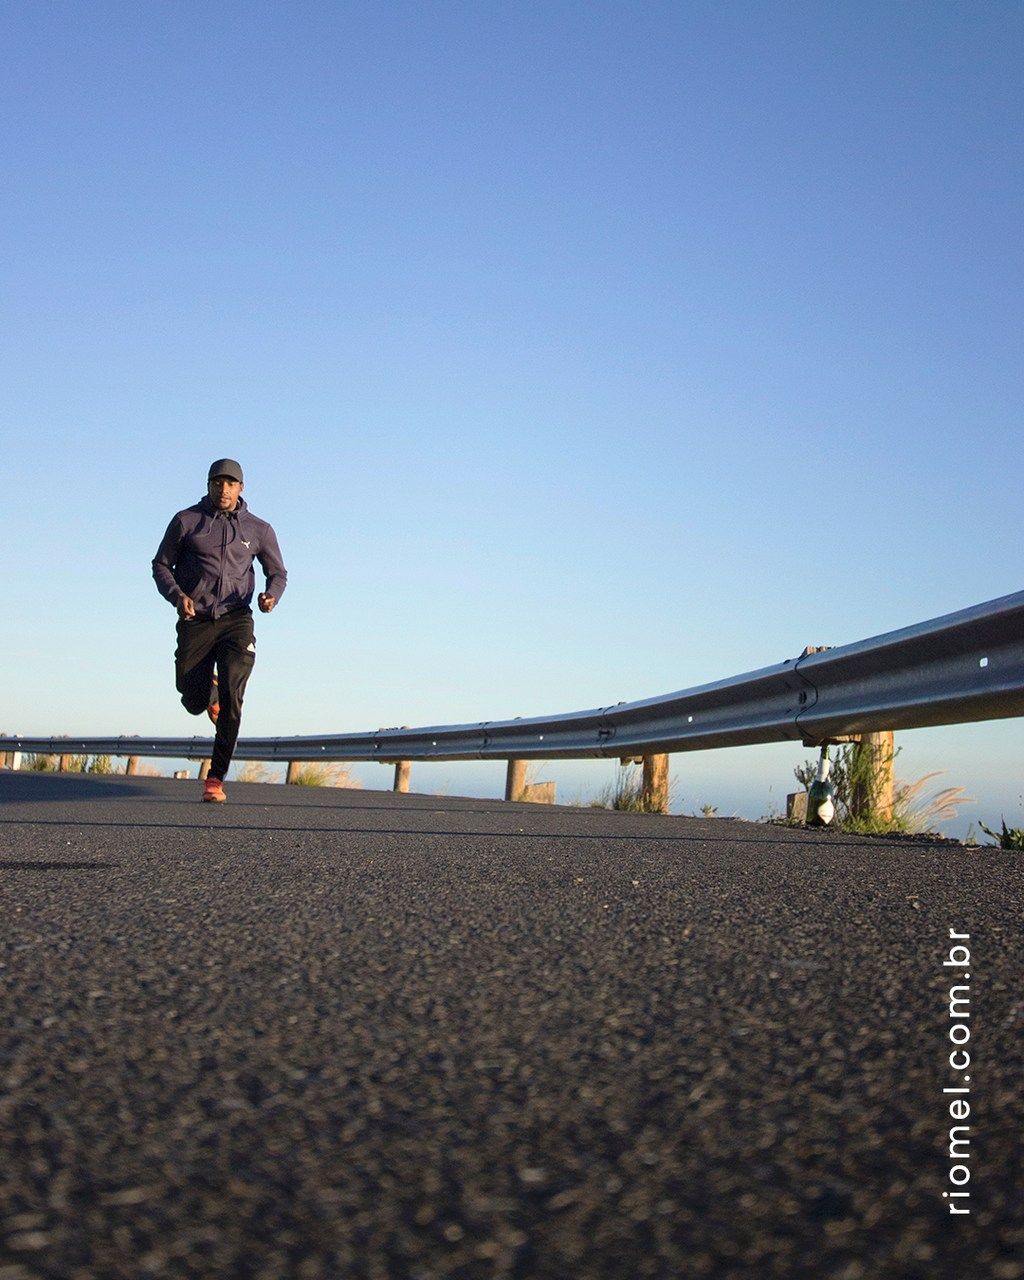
(204, 568)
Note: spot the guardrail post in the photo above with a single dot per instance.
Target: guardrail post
(204, 769)
(515, 780)
(872, 767)
(293, 770)
(402, 768)
(131, 768)
(64, 764)
(655, 788)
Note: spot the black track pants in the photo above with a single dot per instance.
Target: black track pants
(225, 644)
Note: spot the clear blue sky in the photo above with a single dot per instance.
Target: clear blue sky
(577, 352)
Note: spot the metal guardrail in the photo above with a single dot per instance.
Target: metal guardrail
(962, 667)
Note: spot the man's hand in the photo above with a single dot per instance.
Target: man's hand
(186, 608)
(265, 602)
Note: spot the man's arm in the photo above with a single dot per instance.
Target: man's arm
(164, 563)
(272, 564)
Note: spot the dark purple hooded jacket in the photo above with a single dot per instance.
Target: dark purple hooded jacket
(207, 554)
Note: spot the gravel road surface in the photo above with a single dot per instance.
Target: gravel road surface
(322, 1033)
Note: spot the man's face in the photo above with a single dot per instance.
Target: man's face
(224, 492)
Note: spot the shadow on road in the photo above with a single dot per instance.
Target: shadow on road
(12, 864)
(262, 805)
(17, 787)
(207, 822)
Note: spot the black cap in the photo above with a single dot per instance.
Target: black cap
(225, 467)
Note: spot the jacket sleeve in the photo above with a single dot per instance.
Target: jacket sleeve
(269, 556)
(165, 560)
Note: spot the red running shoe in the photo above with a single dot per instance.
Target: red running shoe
(213, 791)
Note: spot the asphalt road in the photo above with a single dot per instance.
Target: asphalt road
(319, 1033)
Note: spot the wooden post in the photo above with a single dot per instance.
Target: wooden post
(131, 767)
(204, 769)
(515, 780)
(64, 764)
(402, 768)
(655, 790)
(872, 765)
(796, 806)
(293, 770)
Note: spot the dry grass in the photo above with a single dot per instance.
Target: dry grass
(257, 771)
(913, 812)
(918, 812)
(324, 775)
(855, 773)
(627, 792)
